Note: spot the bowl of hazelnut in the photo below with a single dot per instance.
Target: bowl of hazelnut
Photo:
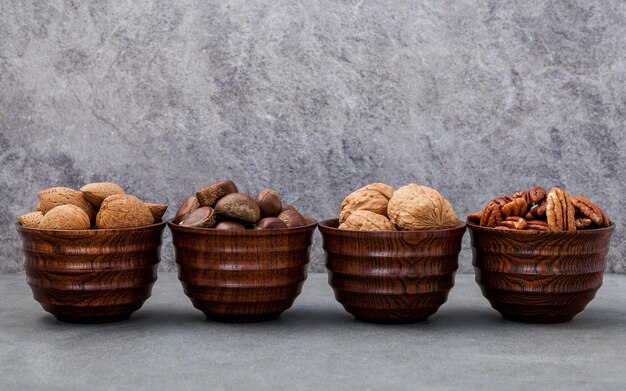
(392, 254)
(539, 256)
(91, 256)
(241, 259)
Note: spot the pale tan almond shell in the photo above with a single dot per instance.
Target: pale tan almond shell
(157, 210)
(95, 193)
(123, 211)
(371, 200)
(65, 217)
(56, 196)
(30, 220)
(414, 207)
(363, 220)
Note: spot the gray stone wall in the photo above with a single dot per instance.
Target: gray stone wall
(313, 98)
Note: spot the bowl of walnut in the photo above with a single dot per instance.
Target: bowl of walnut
(91, 256)
(241, 259)
(539, 256)
(392, 254)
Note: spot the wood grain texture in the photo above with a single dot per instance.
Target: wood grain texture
(539, 276)
(242, 276)
(391, 277)
(91, 276)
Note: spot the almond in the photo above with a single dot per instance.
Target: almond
(56, 196)
(65, 217)
(95, 193)
(123, 211)
(157, 210)
(30, 220)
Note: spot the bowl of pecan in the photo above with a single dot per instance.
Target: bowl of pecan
(392, 254)
(539, 256)
(241, 259)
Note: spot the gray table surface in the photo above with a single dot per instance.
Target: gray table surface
(314, 345)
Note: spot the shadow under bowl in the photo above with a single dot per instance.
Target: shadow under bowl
(91, 276)
(391, 276)
(242, 276)
(537, 276)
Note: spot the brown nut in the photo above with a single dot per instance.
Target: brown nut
(271, 223)
(123, 211)
(529, 216)
(583, 222)
(65, 217)
(364, 220)
(230, 226)
(539, 210)
(30, 220)
(474, 217)
(188, 206)
(535, 195)
(238, 206)
(537, 225)
(517, 207)
(560, 211)
(491, 216)
(55, 196)
(203, 217)
(95, 193)
(157, 210)
(383, 188)
(270, 203)
(210, 194)
(287, 207)
(292, 218)
(363, 199)
(514, 222)
(586, 208)
(414, 207)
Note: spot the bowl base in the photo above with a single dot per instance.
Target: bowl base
(537, 319)
(242, 318)
(92, 319)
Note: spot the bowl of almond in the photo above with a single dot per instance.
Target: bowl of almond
(241, 258)
(540, 256)
(91, 255)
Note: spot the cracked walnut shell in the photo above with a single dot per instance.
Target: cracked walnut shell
(414, 207)
(363, 220)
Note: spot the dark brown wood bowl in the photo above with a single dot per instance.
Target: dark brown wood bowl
(391, 277)
(94, 275)
(242, 276)
(538, 276)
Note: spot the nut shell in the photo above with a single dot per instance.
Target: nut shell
(414, 207)
(65, 217)
(363, 220)
(203, 217)
(56, 196)
(270, 203)
(123, 211)
(95, 193)
(292, 218)
(230, 226)
(383, 188)
(270, 223)
(210, 194)
(365, 198)
(238, 206)
(157, 210)
(30, 220)
(188, 206)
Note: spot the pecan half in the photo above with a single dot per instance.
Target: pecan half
(529, 216)
(517, 207)
(583, 222)
(586, 208)
(491, 216)
(514, 222)
(474, 217)
(536, 194)
(537, 225)
(560, 211)
(539, 210)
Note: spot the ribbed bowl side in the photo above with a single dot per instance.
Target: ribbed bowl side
(242, 276)
(539, 277)
(391, 277)
(91, 276)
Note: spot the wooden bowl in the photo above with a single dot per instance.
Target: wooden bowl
(91, 276)
(539, 276)
(242, 276)
(391, 277)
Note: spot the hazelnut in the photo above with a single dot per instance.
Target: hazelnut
(210, 194)
(292, 218)
(230, 226)
(123, 211)
(65, 217)
(364, 220)
(238, 206)
(271, 223)
(203, 217)
(414, 207)
(269, 202)
(188, 206)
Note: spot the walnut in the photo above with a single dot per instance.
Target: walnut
(373, 198)
(420, 207)
(364, 220)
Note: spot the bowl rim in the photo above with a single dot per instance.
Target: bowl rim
(535, 232)
(79, 232)
(324, 225)
(312, 224)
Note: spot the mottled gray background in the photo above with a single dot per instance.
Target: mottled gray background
(315, 99)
